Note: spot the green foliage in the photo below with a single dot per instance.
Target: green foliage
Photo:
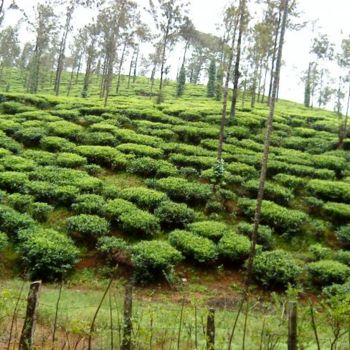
(41, 211)
(48, 254)
(56, 144)
(140, 150)
(3, 241)
(12, 221)
(283, 219)
(181, 82)
(326, 272)
(153, 259)
(264, 234)
(143, 197)
(213, 230)
(174, 215)
(212, 78)
(13, 181)
(200, 249)
(330, 190)
(132, 219)
(149, 167)
(234, 247)
(110, 245)
(338, 211)
(70, 160)
(183, 190)
(275, 269)
(89, 204)
(20, 202)
(87, 225)
(343, 235)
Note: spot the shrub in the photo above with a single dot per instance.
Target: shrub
(3, 241)
(93, 169)
(264, 235)
(87, 225)
(20, 202)
(30, 136)
(213, 230)
(343, 234)
(12, 221)
(89, 204)
(275, 269)
(140, 150)
(109, 245)
(143, 197)
(41, 211)
(153, 259)
(290, 181)
(234, 247)
(70, 160)
(330, 190)
(40, 157)
(47, 253)
(56, 144)
(131, 218)
(149, 167)
(98, 138)
(319, 252)
(16, 163)
(12, 181)
(174, 215)
(338, 211)
(342, 256)
(65, 129)
(326, 272)
(273, 191)
(183, 190)
(272, 214)
(200, 249)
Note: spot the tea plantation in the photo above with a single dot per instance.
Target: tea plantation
(131, 183)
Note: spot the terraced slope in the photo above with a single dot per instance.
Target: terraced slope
(134, 178)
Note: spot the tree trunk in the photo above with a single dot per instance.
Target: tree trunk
(159, 100)
(242, 9)
(120, 67)
(264, 83)
(343, 127)
(267, 141)
(135, 65)
(224, 105)
(274, 59)
(62, 50)
(130, 68)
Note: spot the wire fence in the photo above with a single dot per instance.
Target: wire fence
(118, 320)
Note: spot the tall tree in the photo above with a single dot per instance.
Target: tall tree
(344, 63)
(242, 10)
(211, 79)
(169, 16)
(181, 81)
(267, 141)
(45, 29)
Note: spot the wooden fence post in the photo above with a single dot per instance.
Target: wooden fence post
(292, 325)
(211, 329)
(26, 339)
(127, 327)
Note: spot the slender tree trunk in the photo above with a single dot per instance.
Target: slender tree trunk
(62, 50)
(267, 143)
(242, 9)
(71, 80)
(165, 43)
(78, 71)
(264, 83)
(224, 105)
(321, 87)
(343, 128)
(135, 65)
(130, 68)
(258, 88)
(255, 83)
(274, 59)
(87, 76)
(120, 67)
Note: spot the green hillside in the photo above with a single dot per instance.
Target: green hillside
(131, 183)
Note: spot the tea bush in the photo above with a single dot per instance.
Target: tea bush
(87, 225)
(275, 269)
(213, 230)
(20, 202)
(3, 241)
(41, 211)
(343, 234)
(200, 249)
(48, 254)
(264, 235)
(174, 215)
(89, 204)
(153, 259)
(149, 167)
(143, 197)
(326, 272)
(234, 247)
(70, 160)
